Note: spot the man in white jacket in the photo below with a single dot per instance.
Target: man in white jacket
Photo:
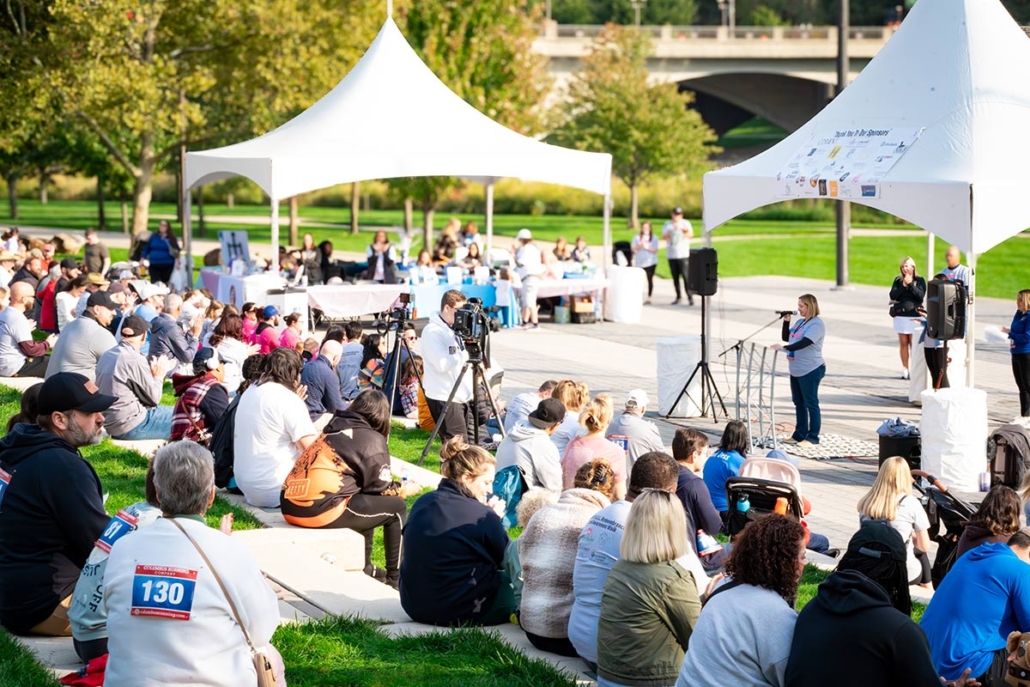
(443, 354)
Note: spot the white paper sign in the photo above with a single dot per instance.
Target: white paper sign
(234, 245)
(844, 164)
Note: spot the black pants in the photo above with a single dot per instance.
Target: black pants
(561, 646)
(649, 271)
(87, 651)
(679, 270)
(1021, 371)
(995, 675)
(364, 513)
(937, 366)
(455, 422)
(925, 575)
(34, 367)
(161, 273)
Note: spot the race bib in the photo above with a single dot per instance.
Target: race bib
(118, 526)
(620, 440)
(163, 592)
(5, 481)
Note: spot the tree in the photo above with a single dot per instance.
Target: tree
(655, 12)
(427, 192)
(611, 107)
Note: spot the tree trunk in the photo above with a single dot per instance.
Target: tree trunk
(355, 206)
(101, 215)
(144, 187)
(409, 215)
(634, 217)
(42, 189)
(428, 210)
(12, 196)
(125, 216)
(200, 212)
(294, 220)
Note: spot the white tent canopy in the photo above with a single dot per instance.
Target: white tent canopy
(956, 70)
(392, 117)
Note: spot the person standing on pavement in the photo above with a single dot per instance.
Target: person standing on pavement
(530, 267)
(906, 296)
(1019, 346)
(96, 258)
(444, 355)
(645, 255)
(807, 368)
(677, 233)
(955, 271)
(160, 253)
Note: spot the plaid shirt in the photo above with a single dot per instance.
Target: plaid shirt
(187, 418)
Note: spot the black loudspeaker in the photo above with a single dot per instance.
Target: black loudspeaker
(945, 310)
(703, 271)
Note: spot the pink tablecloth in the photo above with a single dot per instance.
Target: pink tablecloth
(354, 300)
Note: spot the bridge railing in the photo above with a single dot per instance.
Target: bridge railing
(719, 33)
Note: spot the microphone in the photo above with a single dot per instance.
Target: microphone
(781, 313)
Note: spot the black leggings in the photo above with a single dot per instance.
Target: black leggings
(364, 513)
(936, 366)
(649, 271)
(161, 273)
(679, 269)
(1021, 371)
(924, 561)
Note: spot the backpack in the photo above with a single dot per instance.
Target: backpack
(223, 445)
(510, 485)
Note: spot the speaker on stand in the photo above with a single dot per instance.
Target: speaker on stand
(945, 314)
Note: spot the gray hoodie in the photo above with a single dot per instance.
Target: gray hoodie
(533, 451)
(124, 373)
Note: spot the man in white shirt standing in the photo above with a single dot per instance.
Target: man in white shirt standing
(530, 265)
(443, 355)
(677, 233)
(955, 271)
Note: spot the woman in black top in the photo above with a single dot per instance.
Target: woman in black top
(907, 295)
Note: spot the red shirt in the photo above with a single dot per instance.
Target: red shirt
(48, 307)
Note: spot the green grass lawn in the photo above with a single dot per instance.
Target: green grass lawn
(753, 132)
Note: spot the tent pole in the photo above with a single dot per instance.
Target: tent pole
(929, 256)
(607, 228)
(971, 320)
(275, 236)
(187, 235)
(489, 188)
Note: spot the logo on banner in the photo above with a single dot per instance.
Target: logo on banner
(163, 592)
(117, 527)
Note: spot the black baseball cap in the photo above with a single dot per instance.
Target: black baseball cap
(677, 210)
(70, 264)
(548, 413)
(101, 298)
(134, 325)
(71, 391)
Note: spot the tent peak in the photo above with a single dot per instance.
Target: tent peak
(389, 9)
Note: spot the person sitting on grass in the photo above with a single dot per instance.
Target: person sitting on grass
(201, 398)
(547, 550)
(650, 604)
(20, 354)
(734, 646)
(409, 387)
(860, 618)
(595, 419)
(995, 521)
(641, 436)
(29, 407)
(532, 501)
(85, 338)
(88, 612)
(690, 449)
(228, 339)
(124, 373)
(529, 446)
(726, 462)
(454, 544)
(291, 334)
(344, 480)
(519, 407)
(574, 396)
(175, 590)
(249, 314)
(266, 336)
(169, 337)
(373, 362)
(349, 367)
(51, 505)
(323, 386)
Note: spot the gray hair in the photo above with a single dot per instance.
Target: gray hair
(172, 302)
(184, 475)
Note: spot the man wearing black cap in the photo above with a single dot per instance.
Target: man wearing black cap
(85, 338)
(677, 233)
(124, 373)
(201, 398)
(529, 446)
(51, 506)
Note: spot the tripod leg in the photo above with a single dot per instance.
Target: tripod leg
(493, 403)
(683, 392)
(446, 407)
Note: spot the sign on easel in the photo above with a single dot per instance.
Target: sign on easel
(235, 244)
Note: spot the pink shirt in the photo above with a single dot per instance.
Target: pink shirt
(249, 326)
(582, 450)
(268, 340)
(289, 338)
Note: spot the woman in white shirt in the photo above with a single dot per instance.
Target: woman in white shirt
(423, 271)
(66, 301)
(227, 339)
(645, 254)
(574, 396)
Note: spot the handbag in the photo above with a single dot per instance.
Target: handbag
(262, 664)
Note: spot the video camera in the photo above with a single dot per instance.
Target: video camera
(473, 327)
(396, 318)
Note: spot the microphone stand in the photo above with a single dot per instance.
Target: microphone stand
(740, 342)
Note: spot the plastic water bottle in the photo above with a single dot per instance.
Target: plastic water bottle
(743, 503)
(707, 544)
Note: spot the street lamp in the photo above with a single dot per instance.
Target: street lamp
(637, 6)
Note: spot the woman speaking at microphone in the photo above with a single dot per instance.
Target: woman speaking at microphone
(806, 366)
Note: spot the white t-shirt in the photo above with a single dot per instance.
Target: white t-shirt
(529, 260)
(66, 304)
(911, 518)
(677, 244)
(647, 251)
(519, 409)
(269, 421)
(14, 328)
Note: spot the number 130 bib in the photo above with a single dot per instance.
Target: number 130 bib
(163, 592)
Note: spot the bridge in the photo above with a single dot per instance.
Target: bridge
(784, 74)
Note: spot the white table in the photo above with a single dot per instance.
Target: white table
(344, 300)
(551, 288)
(250, 289)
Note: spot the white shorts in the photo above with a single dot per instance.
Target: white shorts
(905, 325)
(530, 288)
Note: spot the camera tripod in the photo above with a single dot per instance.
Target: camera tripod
(393, 365)
(709, 391)
(476, 366)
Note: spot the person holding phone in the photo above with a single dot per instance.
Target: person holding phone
(906, 296)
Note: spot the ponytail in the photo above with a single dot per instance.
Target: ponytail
(458, 458)
(598, 414)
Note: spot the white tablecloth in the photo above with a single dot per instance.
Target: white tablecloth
(252, 289)
(550, 288)
(345, 300)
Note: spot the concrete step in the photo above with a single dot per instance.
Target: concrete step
(339, 548)
(421, 476)
(56, 653)
(20, 383)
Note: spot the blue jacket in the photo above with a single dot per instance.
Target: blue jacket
(168, 338)
(1019, 337)
(453, 554)
(720, 467)
(158, 249)
(985, 596)
(323, 387)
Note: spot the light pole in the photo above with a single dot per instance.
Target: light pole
(547, 10)
(637, 5)
(843, 207)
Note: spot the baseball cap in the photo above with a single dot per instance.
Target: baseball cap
(96, 279)
(548, 413)
(66, 391)
(126, 274)
(151, 290)
(117, 287)
(7, 256)
(101, 298)
(636, 399)
(270, 311)
(70, 264)
(677, 210)
(134, 325)
(524, 235)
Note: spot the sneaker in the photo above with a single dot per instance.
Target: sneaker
(690, 301)
(833, 553)
(676, 302)
(904, 373)
(805, 444)
(533, 326)
(789, 440)
(375, 573)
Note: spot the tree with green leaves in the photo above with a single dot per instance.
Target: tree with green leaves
(611, 107)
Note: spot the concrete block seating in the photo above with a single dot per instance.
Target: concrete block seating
(20, 383)
(146, 448)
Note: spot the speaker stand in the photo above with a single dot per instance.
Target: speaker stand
(709, 391)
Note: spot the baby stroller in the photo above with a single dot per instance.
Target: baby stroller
(761, 481)
(942, 506)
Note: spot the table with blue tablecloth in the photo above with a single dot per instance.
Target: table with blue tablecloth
(426, 298)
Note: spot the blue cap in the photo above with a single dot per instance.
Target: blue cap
(270, 311)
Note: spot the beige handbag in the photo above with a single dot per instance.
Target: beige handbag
(263, 666)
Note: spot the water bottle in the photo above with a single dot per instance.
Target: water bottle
(707, 544)
(743, 503)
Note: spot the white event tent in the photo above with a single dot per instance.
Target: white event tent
(392, 117)
(955, 69)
